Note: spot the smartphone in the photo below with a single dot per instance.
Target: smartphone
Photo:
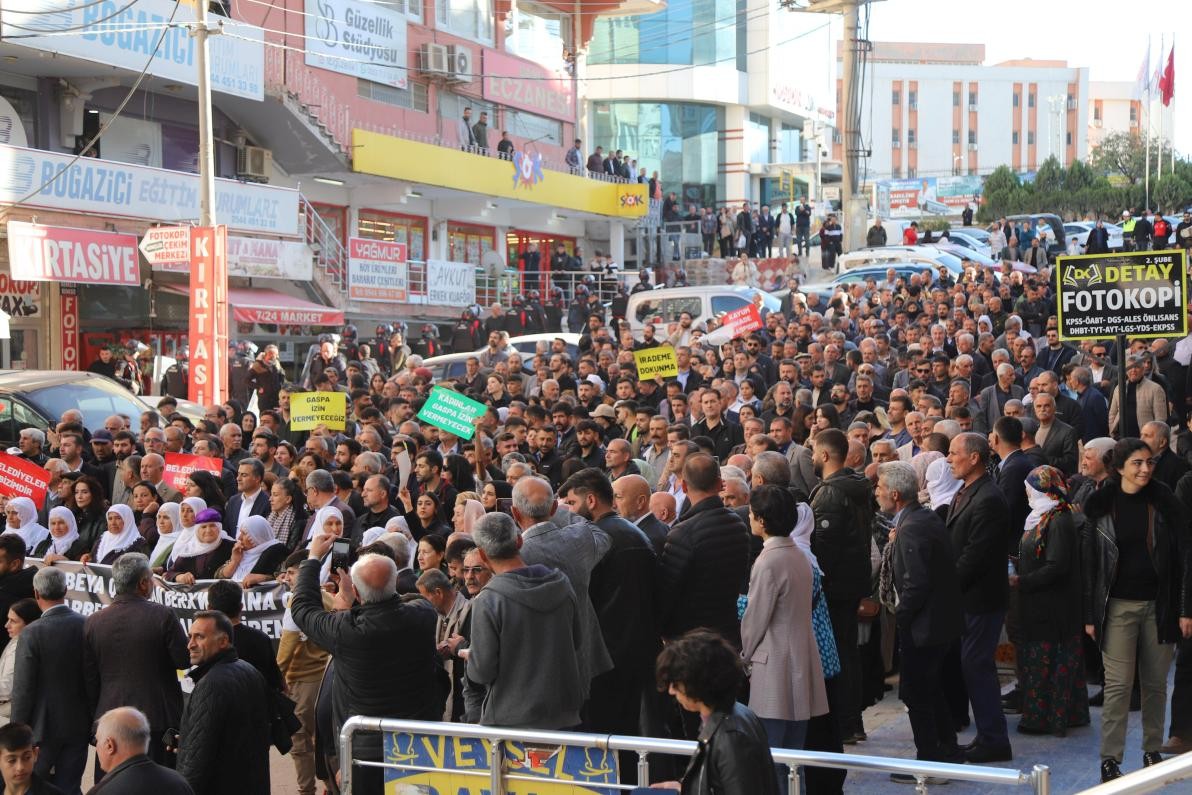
(505, 505)
(340, 550)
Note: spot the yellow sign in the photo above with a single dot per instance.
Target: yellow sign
(523, 179)
(309, 410)
(654, 362)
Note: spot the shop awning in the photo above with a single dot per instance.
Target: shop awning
(270, 307)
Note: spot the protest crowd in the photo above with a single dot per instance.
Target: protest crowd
(736, 542)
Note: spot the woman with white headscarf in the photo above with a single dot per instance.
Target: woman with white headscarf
(198, 557)
(21, 514)
(256, 555)
(942, 486)
(328, 521)
(188, 509)
(121, 536)
(169, 532)
(63, 541)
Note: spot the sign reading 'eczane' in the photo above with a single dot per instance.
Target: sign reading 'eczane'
(1139, 294)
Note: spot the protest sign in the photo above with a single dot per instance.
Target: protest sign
(180, 465)
(1139, 294)
(654, 362)
(742, 321)
(309, 410)
(452, 412)
(440, 756)
(89, 589)
(23, 478)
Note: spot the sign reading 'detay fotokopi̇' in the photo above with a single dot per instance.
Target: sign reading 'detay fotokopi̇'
(1138, 294)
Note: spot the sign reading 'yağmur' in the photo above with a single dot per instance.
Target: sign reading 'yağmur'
(1139, 294)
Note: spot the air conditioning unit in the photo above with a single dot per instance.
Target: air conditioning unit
(432, 59)
(459, 63)
(253, 163)
(972, 147)
(972, 107)
(911, 145)
(895, 144)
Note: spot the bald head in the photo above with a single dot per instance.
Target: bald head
(856, 455)
(533, 501)
(742, 462)
(631, 496)
(662, 505)
(621, 446)
(121, 734)
(375, 578)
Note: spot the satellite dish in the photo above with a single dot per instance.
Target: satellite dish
(494, 264)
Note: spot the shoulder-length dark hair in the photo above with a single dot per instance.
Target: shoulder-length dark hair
(208, 484)
(704, 666)
(99, 502)
(461, 473)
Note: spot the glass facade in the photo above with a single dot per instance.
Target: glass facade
(681, 141)
(686, 32)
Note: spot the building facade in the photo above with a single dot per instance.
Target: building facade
(1121, 107)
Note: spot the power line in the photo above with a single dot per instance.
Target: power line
(80, 27)
(104, 127)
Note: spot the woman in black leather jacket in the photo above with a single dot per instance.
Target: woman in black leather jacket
(705, 675)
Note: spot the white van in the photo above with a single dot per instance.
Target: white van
(662, 306)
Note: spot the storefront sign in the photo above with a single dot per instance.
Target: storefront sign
(654, 362)
(208, 314)
(287, 317)
(22, 478)
(1141, 294)
(309, 410)
(362, 39)
(450, 283)
(260, 258)
(180, 465)
(450, 411)
(69, 305)
(89, 589)
(18, 298)
(104, 187)
(377, 271)
(167, 246)
(76, 256)
(910, 198)
(521, 84)
(126, 35)
(564, 769)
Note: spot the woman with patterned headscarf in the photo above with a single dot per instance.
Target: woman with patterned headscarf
(1048, 580)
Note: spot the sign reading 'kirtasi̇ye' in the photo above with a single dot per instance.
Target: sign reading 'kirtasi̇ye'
(1139, 294)
(76, 256)
(452, 412)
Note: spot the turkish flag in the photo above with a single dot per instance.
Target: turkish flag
(1167, 81)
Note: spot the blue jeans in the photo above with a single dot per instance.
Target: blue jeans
(978, 650)
(785, 734)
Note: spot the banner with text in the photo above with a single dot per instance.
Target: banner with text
(450, 411)
(450, 283)
(309, 410)
(20, 477)
(1139, 294)
(180, 465)
(655, 362)
(361, 38)
(68, 300)
(76, 256)
(18, 298)
(208, 314)
(377, 271)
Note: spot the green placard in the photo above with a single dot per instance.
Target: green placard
(452, 412)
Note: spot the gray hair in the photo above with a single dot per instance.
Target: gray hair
(129, 571)
(948, 428)
(400, 544)
(773, 468)
(34, 434)
(434, 580)
(372, 463)
(1005, 367)
(1083, 376)
(519, 470)
(368, 594)
(893, 446)
(50, 583)
(744, 484)
(1000, 353)
(539, 510)
(1161, 428)
(1101, 445)
(128, 726)
(496, 536)
(900, 476)
(321, 481)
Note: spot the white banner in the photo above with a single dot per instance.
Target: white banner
(19, 298)
(342, 35)
(450, 283)
(103, 187)
(261, 258)
(377, 271)
(124, 35)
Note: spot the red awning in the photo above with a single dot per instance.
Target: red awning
(270, 307)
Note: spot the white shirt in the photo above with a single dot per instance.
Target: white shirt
(246, 507)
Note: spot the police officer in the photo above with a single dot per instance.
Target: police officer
(176, 379)
(467, 334)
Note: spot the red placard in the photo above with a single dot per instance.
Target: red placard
(21, 478)
(742, 321)
(180, 465)
(77, 256)
(69, 304)
(208, 314)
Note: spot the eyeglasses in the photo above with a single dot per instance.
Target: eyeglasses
(473, 570)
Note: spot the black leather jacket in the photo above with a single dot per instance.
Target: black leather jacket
(733, 757)
(1171, 554)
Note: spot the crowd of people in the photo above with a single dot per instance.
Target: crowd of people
(741, 553)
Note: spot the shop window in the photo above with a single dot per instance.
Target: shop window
(469, 243)
(395, 228)
(413, 98)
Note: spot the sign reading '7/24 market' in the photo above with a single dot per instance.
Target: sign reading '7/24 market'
(1138, 294)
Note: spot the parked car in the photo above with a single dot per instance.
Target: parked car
(453, 365)
(664, 306)
(971, 237)
(884, 255)
(903, 270)
(1080, 230)
(37, 399)
(1055, 240)
(979, 258)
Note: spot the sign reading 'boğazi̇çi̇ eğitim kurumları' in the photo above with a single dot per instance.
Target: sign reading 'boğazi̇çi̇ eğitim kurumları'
(1139, 294)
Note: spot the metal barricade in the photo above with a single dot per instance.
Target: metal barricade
(1038, 778)
(1163, 776)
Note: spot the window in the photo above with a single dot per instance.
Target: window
(451, 106)
(956, 99)
(972, 138)
(1069, 137)
(413, 98)
(1030, 138)
(669, 308)
(469, 242)
(1097, 113)
(471, 19)
(896, 97)
(336, 218)
(1030, 100)
(896, 136)
(395, 228)
(538, 38)
(1014, 138)
(727, 303)
(691, 32)
(912, 99)
(1133, 114)
(896, 173)
(972, 97)
(911, 173)
(910, 136)
(757, 139)
(956, 136)
(1017, 99)
(533, 127)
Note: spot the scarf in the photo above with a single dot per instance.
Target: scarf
(29, 530)
(262, 535)
(1047, 494)
(197, 505)
(941, 485)
(60, 546)
(192, 547)
(801, 535)
(282, 523)
(115, 542)
(316, 528)
(166, 541)
(371, 535)
(473, 511)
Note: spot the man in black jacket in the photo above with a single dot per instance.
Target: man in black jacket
(1006, 441)
(16, 581)
(929, 612)
(376, 499)
(122, 739)
(843, 508)
(724, 433)
(252, 645)
(978, 528)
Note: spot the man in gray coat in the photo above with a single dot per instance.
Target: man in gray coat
(48, 692)
(573, 549)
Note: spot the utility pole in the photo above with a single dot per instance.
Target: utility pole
(206, 136)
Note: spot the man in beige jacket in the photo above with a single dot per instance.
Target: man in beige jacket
(1149, 399)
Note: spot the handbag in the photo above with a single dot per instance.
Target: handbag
(741, 241)
(283, 722)
(867, 609)
(821, 622)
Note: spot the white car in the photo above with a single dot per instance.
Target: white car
(1080, 230)
(452, 365)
